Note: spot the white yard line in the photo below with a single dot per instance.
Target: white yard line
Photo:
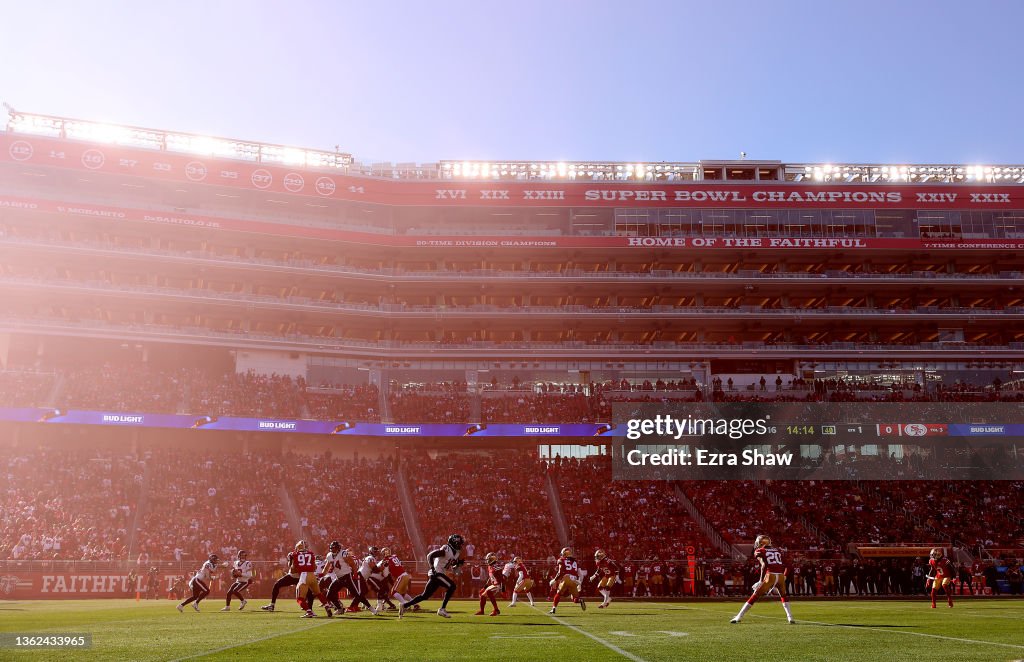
(610, 646)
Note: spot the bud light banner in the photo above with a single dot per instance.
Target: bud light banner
(302, 426)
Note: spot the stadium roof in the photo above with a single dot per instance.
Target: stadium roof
(739, 170)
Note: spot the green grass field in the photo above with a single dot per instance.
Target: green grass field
(852, 630)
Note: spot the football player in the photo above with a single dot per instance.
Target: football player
(242, 576)
(607, 576)
(400, 578)
(942, 575)
(493, 587)
(523, 582)
(200, 583)
(773, 578)
(338, 569)
(642, 584)
(290, 578)
(508, 571)
(657, 577)
(304, 563)
(373, 574)
(567, 580)
(628, 575)
(444, 558)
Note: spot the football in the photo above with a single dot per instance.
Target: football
(236, 573)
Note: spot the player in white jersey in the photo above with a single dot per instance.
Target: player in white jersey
(439, 561)
(373, 572)
(508, 571)
(338, 569)
(200, 583)
(242, 576)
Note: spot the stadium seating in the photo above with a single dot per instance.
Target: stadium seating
(73, 505)
(496, 499)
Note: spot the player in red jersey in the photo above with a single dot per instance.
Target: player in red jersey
(523, 584)
(400, 579)
(304, 563)
(493, 587)
(628, 575)
(567, 580)
(642, 583)
(773, 578)
(607, 575)
(942, 575)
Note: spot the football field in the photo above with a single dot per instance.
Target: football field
(638, 631)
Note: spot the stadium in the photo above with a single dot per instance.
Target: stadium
(211, 345)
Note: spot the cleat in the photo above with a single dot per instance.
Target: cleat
(601, 606)
(226, 608)
(181, 610)
(495, 613)
(308, 614)
(512, 604)
(330, 614)
(479, 613)
(415, 607)
(269, 607)
(195, 605)
(583, 604)
(401, 609)
(443, 613)
(791, 621)
(933, 605)
(375, 612)
(353, 610)
(735, 620)
(551, 611)
(242, 606)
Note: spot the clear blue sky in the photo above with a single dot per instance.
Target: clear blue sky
(894, 81)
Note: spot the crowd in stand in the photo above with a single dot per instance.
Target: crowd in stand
(246, 394)
(977, 514)
(211, 501)
(344, 402)
(740, 510)
(498, 500)
(641, 519)
(68, 505)
(353, 501)
(434, 407)
(135, 388)
(24, 388)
